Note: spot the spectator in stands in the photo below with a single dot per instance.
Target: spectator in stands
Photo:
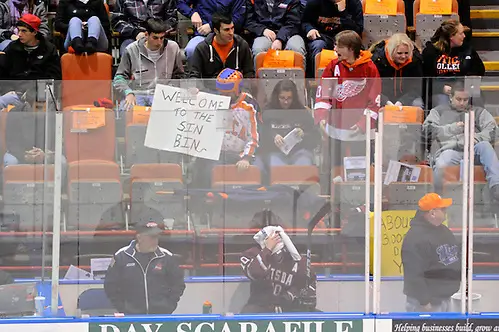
(401, 67)
(29, 58)
(448, 56)
(240, 144)
(341, 105)
(143, 277)
(10, 13)
(221, 49)
(200, 12)
(445, 128)
(147, 61)
(130, 18)
(431, 258)
(276, 25)
(75, 18)
(25, 137)
(323, 19)
(275, 128)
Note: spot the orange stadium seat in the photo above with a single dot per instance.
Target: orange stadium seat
(28, 192)
(453, 188)
(95, 195)
(428, 17)
(224, 176)
(85, 78)
(402, 134)
(405, 195)
(382, 19)
(322, 60)
(295, 176)
(269, 76)
(151, 194)
(96, 142)
(135, 133)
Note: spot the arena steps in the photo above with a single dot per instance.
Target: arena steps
(485, 39)
(485, 17)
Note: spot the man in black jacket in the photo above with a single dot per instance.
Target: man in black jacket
(29, 58)
(276, 25)
(144, 278)
(431, 258)
(220, 50)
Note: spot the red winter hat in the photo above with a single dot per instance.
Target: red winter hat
(31, 20)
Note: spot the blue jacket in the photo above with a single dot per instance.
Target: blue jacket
(205, 8)
(152, 289)
(285, 18)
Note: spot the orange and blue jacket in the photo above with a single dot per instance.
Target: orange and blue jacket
(244, 136)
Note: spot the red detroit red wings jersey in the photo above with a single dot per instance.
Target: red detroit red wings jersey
(358, 90)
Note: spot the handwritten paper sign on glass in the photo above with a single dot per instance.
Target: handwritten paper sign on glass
(186, 123)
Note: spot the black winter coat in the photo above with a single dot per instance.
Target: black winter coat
(152, 288)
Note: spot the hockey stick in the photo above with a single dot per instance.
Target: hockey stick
(323, 212)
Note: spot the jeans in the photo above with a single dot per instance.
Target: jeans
(191, 45)
(295, 43)
(124, 45)
(413, 305)
(301, 157)
(484, 153)
(4, 44)
(11, 160)
(95, 30)
(315, 47)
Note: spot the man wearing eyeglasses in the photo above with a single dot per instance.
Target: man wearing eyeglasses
(431, 258)
(444, 126)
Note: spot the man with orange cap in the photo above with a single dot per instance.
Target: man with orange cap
(431, 258)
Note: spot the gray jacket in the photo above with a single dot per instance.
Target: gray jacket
(138, 72)
(441, 128)
(6, 24)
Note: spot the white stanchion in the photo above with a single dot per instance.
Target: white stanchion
(378, 187)
(464, 233)
(367, 254)
(56, 239)
(471, 202)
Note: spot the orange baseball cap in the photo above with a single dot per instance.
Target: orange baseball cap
(433, 201)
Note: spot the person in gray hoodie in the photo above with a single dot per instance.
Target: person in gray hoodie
(146, 62)
(444, 126)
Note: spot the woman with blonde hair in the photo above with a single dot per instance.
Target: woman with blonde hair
(448, 57)
(401, 68)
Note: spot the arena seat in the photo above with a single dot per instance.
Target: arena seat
(89, 134)
(322, 60)
(28, 192)
(135, 133)
(95, 195)
(152, 196)
(86, 78)
(406, 195)
(381, 22)
(268, 77)
(426, 23)
(453, 188)
(402, 133)
(228, 176)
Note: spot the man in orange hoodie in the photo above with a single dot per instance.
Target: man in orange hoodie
(350, 88)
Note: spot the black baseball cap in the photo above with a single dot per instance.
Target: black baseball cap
(149, 228)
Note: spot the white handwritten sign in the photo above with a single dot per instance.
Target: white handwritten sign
(186, 123)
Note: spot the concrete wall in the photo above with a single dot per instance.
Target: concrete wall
(333, 296)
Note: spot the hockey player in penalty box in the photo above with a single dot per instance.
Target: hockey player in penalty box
(278, 275)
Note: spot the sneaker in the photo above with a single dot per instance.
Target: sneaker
(91, 45)
(77, 45)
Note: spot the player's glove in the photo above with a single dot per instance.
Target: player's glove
(308, 298)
